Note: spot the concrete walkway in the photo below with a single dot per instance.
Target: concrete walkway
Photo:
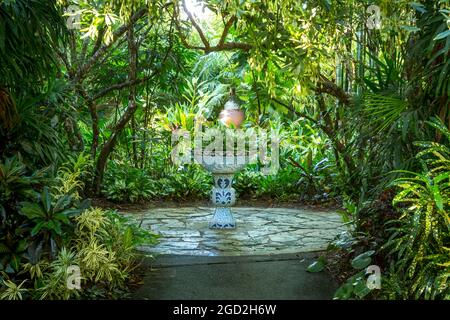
(279, 277)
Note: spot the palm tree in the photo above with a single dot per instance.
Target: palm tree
(29, 33)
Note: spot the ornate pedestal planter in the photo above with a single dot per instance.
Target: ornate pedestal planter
(223, 196)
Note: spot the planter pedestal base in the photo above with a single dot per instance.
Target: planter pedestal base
(223, 196)
(222, 219)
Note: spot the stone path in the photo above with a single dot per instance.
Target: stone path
(260, 231)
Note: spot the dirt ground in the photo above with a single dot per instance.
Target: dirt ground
(260, 203)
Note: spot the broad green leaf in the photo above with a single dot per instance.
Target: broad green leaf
(363, 260)
(31, 210)
(437, 197)
(442, 35)
(361, 289)
(37, 228)
(418, 7)
(46, 199)
(344, 292)
(317, 266)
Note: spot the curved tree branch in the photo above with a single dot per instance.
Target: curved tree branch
(196, 26)
(329, 87)
(122, 85)
(207, 48)
(226, 30)
(103, 49)
(297, 113)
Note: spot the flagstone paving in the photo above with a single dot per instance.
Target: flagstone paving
(260, 231)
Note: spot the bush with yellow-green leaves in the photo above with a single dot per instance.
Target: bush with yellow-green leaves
(103, 250)
(53, 245)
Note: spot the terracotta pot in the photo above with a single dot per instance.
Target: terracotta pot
(232, 117)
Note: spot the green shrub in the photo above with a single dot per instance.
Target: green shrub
(282, 186)
(15, 186)
(124, 183)
(103, 247)
(45, 228)
(247, 182)
(49, 218)
(420, 237)
(189, 182)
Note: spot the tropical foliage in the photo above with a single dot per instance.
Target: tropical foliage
(90, 98)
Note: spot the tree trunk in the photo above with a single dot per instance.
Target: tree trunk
(109, 145)
(95, 130)
(134, 141)
(74, 136)
(94, 117)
